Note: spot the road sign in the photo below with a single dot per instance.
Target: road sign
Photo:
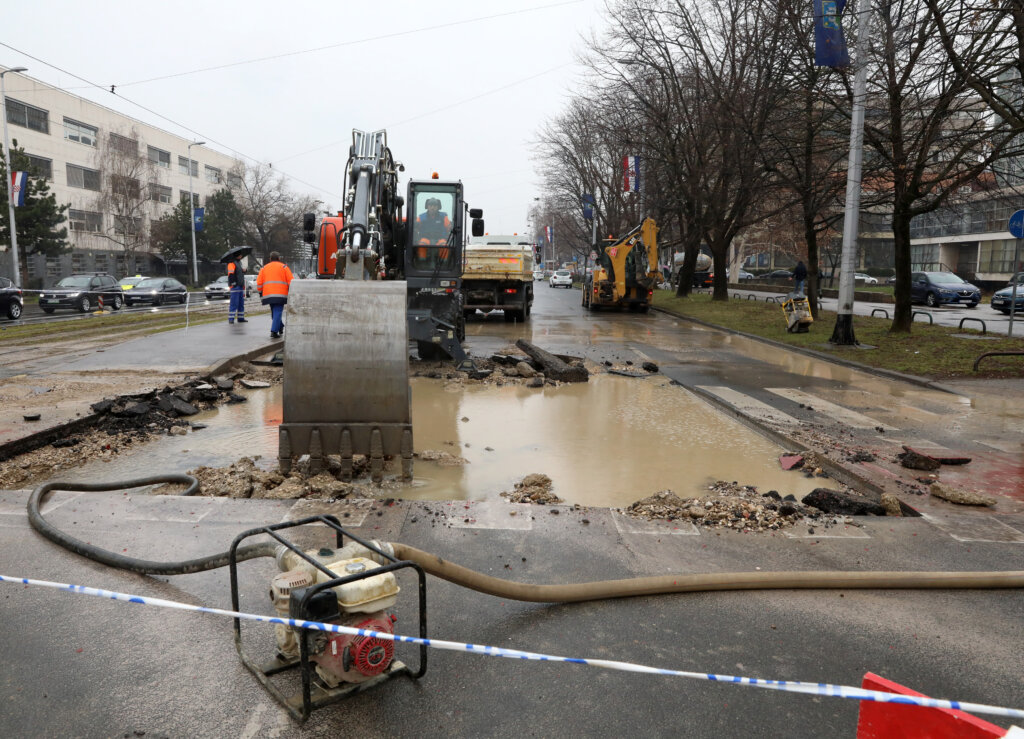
(1016, 225)
(593, 255)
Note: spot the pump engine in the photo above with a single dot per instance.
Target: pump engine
(362, 603)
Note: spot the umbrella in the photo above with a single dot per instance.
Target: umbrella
(236, 252)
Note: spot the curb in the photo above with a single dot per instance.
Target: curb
(888, 374)
(223, 364)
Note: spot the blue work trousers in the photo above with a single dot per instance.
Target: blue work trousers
(236, 303)
(276, 317)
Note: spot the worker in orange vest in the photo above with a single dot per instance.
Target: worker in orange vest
(272, 284)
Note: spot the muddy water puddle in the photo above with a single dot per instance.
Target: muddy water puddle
(608, 442)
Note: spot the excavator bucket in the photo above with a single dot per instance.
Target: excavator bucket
(346, 375)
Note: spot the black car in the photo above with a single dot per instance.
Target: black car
(157, 291)
(11, 301)
(780, 274)
(82, 292)
(1003, 300)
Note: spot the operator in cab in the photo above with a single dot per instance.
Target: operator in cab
(432, 228)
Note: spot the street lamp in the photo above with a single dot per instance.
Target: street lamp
(10, 193)
(192, 213)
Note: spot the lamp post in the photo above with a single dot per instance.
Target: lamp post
(10, 194)
(192, 213)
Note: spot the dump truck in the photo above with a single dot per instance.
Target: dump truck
(498, 275)
(626, 271)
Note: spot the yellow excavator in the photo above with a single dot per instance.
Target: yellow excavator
(626, 271)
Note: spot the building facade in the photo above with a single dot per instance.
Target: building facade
(118, 176)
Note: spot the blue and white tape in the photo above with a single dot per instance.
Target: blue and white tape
(821, 689)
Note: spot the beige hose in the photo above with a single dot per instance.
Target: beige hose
(601, 590)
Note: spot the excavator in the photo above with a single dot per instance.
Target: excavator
(383, 280)
(626, 271)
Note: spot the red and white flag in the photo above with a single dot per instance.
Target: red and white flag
(631, 174)
(19, 186)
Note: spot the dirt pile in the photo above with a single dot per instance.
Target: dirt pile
(534, 488)
(729, 506)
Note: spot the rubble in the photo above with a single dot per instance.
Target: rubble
(444, 459)
(917, 461)
(534, 488)
(959, 496)
(729, 505)
(831, 501)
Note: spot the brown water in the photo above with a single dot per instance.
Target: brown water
(607, 442)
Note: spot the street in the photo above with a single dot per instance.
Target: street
(82, 666)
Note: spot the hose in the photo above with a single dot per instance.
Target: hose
(465, 577)
(604, 589)
(140, 566)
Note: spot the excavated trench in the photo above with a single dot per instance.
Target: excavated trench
(607, 442)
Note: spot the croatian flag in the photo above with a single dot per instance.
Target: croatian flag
(549, 231)
(19, 186)
(631, 174)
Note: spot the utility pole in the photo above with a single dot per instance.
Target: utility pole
(10, 190)
(192, 213)
(843, 334)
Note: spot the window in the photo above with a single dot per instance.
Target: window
(28, 116)
(78, 263)
(997, 255)
(183, 166)
(184, 198)
(234, 181)
(124, 224)
(85, 220)
(80, 132)
(159, 157)
(40, 167)
(125, 187)
(212, 174)
(82, 177)
(159, 193)
(124, 145)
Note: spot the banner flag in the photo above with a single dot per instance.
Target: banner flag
(198, 218)
(19, 186)
(631, 174)
(588, 207)
(549, 232)
(829, 44)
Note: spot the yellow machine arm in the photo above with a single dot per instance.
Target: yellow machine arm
(642, 242)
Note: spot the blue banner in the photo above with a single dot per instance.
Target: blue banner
(829, 44)
(588, 207)
(197, 218)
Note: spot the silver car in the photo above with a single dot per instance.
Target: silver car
(561, 278)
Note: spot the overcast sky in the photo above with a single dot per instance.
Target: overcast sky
(465, 99)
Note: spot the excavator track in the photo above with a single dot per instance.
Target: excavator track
(346, 375)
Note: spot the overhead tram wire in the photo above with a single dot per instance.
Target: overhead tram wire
(382, 37)
(170, 120)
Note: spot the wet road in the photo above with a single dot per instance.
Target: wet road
(77, 666)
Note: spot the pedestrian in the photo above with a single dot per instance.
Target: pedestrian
(272, 284)
(236, 296)
(799, 276)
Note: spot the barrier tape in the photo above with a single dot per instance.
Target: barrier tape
(821, 689)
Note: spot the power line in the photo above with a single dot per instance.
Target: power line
(382, 37)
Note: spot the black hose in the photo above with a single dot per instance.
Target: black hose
(140, 566)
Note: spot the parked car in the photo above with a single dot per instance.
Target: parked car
(82, 292)
(867, 279)
(538, 274)
(779, 274)
(561, 278)
(219, 288)
(1003, 299)
(157, 291)
(940, 288)
(745, 276)
(128, 283)
(890, 280)
(11, 301)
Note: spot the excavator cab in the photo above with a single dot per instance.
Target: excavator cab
(434, 231)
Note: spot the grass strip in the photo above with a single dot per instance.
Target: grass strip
(928, 351)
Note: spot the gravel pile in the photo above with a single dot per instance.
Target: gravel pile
(534, 488)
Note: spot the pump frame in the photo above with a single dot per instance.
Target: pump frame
(300, 705)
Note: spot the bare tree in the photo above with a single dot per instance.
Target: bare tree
(125, 193)
(928, 129)
(268, 209)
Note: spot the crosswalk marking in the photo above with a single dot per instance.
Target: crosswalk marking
(749, 406)
(974, 528)
(838, 412)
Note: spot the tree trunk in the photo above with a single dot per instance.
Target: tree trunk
(691, 244)
(811, 238)
(842, 334)
(903, 312)
(719, 263)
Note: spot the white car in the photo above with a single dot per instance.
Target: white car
(561, 278)
(868, 279)
(538, 274)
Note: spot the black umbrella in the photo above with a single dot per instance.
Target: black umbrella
(236, 252)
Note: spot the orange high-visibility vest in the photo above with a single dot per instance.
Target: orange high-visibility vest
(273, 280)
